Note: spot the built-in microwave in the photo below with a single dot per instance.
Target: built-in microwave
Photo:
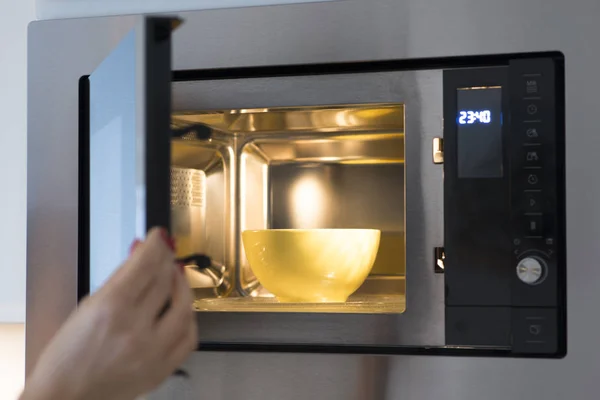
(458, 162)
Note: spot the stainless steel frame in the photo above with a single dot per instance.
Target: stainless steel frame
(61, 51)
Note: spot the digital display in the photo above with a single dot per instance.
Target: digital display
(474, 117)
(479, 125)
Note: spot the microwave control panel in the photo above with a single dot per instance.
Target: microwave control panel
(504, 206)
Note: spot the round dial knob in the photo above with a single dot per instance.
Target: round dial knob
(531, 270)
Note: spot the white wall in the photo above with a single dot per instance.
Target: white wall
(16, 14)
(13, 139)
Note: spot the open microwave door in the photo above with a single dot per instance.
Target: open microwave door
(125, 148)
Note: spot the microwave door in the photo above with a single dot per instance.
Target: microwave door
(125, 149)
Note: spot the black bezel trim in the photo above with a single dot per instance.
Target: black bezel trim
(83, 209)
(351, 67)
(561, 199)
(369, 350)
(157, 83)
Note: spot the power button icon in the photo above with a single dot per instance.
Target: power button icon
(533, 179)
(535, 330)
(532, 109)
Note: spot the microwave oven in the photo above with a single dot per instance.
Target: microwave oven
(458, 161)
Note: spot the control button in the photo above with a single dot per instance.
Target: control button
(533, 156)
(532, 180)
(533, 225)
(532, 133)
(531, 86)
(531, 270)
(532, 202)
(532, 109)
(535, 330)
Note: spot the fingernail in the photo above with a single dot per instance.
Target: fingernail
(135, 244)
(168, 239)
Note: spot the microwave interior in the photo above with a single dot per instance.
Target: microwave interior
(303, 167)
(456, 163)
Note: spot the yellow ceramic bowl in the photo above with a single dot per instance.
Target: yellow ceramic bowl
(311, 265)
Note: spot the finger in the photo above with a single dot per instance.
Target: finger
(156, 300)
(182, 345)
(119, 273)
(157, 245)
(183, 349)
(187, 327)
(172, 327)
(158, 292)
(146, 266)
(134, 245)
(113, 283)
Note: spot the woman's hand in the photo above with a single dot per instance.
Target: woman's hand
(120, 343)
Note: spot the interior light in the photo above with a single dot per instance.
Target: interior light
(308, 202)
